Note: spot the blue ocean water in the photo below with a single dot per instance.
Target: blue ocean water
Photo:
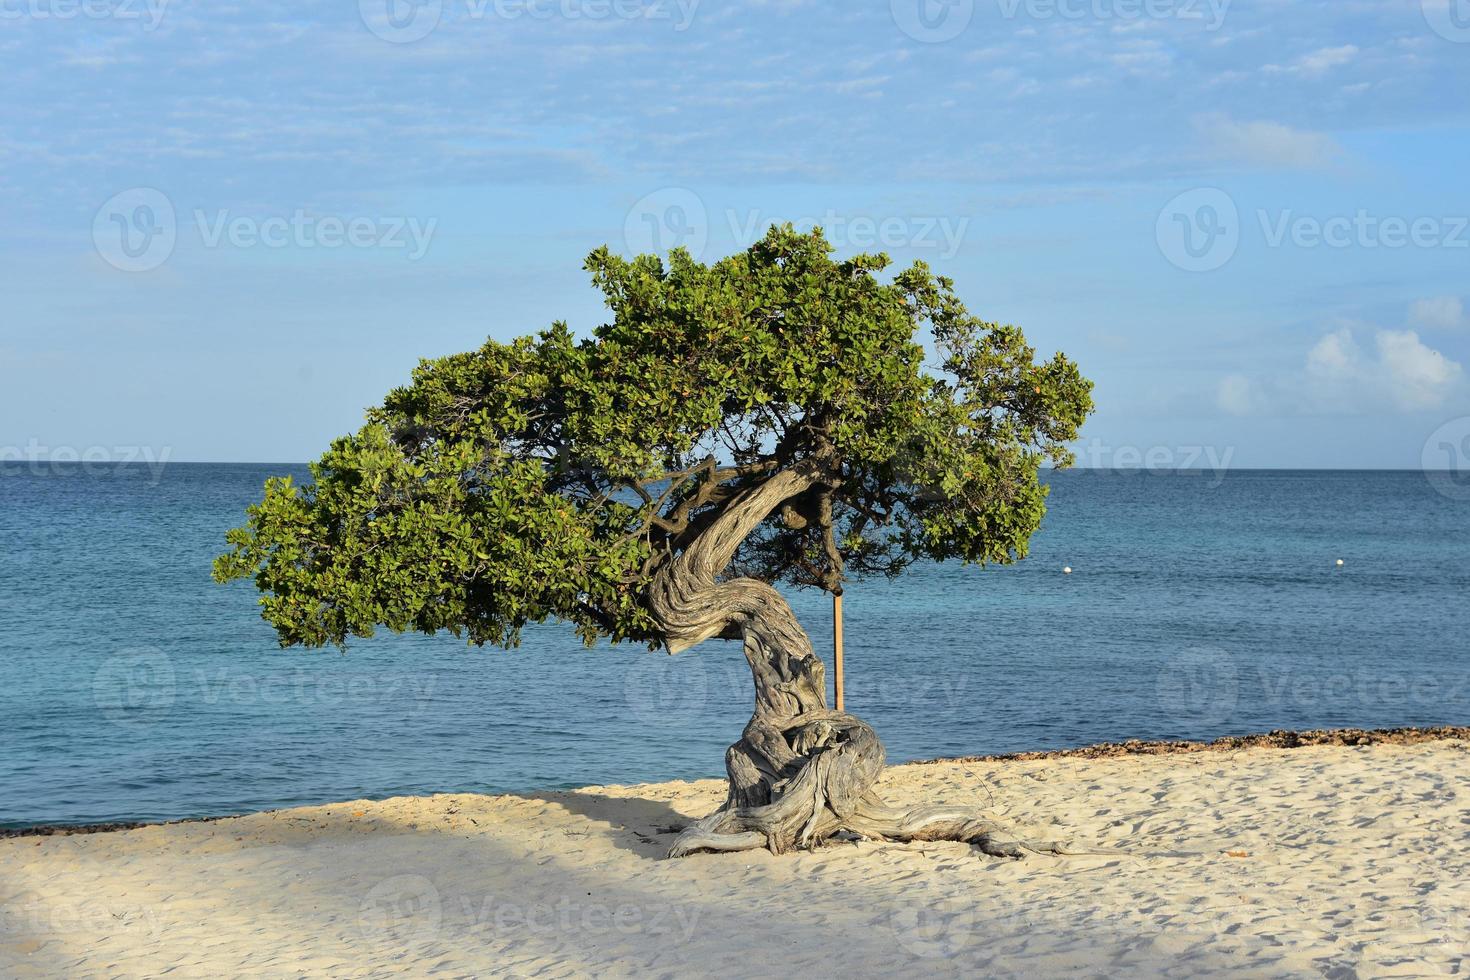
(1199, 605)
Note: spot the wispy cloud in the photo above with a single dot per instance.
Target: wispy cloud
(1319, 62)
(1337, 376)
(1240, 396)
(1402, 371)
(1266, 144)
(1438, 313)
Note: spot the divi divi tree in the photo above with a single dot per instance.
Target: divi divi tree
(771, 418)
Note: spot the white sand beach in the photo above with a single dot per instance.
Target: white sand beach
(1323, 860)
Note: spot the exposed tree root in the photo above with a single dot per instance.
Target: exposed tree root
(801, 772)
(830, 793)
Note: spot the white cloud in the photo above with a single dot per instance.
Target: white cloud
(1338, 376)
(1438, 313)
(1335, 356)
(1143, 56)
(860, 86)
(1325, 59)
(1268, 144)
(1318, 62)
(1239, 395)
(1405, 373)
(1420, 376)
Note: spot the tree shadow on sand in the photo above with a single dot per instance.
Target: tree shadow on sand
(641, 826)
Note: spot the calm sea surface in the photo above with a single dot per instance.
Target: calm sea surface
(135, 688)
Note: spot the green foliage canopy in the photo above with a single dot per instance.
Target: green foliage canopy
(552, 477)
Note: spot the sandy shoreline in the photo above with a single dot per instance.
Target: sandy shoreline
(1335, 859)
(1277, 739)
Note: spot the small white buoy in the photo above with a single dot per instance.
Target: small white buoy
(1067, 570)
(1339, 563)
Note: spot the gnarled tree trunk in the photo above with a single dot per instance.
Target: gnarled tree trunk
(801, 772)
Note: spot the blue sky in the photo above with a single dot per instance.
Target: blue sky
(231, 227)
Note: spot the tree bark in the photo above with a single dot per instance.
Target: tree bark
(800, 772)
